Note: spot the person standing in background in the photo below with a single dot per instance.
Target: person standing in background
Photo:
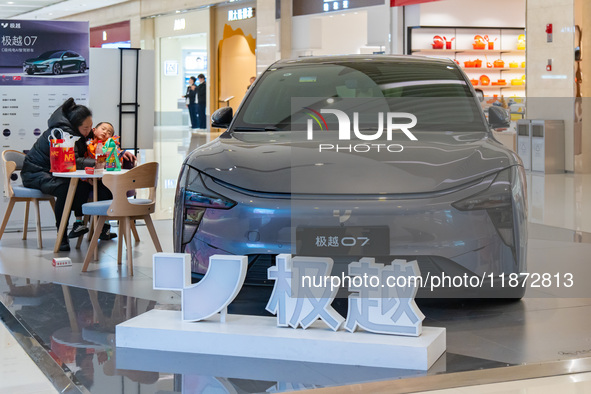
(252, 79)
(201, 91)
(190, 96)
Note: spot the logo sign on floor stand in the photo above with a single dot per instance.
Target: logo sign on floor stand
(303, 291)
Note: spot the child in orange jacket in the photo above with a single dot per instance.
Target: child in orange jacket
(102, 132)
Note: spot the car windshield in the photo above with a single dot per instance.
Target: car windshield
(435, 92)
(50, 55)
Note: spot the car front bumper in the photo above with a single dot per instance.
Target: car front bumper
(443, 239)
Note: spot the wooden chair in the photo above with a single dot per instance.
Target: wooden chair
(12, 161)
(125, 210)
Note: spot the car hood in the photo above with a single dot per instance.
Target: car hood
(278, 162)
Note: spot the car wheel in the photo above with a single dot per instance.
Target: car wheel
(82, 67)
(30, 72)
(57, 69)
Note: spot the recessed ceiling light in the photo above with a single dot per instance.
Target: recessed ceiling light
(10, 2)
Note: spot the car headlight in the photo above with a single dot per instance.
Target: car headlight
(497, 200)
(193, 198)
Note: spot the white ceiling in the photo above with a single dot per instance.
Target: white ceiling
(49, 9)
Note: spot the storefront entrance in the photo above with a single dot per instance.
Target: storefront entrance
(180, 58)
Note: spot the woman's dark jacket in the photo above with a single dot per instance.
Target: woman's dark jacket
(191, 94)
(201, 94)
(36, 168)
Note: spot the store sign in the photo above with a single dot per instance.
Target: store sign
(307, 7)
(179, 24)
(382, 300)
(171, 68)
(240, 14)
(331, 5)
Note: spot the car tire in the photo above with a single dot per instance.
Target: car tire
(30, 72)
(82, 67)
(56, 69)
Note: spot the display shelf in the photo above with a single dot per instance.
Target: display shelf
(506, 40)
(491, 69)
(500, 87)
(475, 51)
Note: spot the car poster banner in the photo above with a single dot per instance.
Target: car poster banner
(42, 63)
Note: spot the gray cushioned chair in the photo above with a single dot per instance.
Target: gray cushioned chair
(12, 161)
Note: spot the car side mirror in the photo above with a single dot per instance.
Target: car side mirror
(479, 94)
(498, 117)
(222, 118)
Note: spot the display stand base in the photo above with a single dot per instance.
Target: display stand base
(259, 336)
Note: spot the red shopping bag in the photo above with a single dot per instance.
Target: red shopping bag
(61, 158)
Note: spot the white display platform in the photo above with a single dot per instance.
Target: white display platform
(259, 336)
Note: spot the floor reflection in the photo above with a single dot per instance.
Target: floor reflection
(76, 327)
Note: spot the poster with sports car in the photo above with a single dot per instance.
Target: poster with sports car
(42, 64)
(43, 52)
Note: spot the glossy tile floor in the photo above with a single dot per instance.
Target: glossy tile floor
(18, 372)
(71, 316)
(576, 383)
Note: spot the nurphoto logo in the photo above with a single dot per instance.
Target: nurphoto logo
(392, 120)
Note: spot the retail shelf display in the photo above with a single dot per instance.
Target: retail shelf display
(468, 46)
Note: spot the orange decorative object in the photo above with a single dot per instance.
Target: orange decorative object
(479, 42)
(499, 63)
(501, 82)
(468, 63)
(448, 42)
(484, 80)
(438, 42)
(477, 63)
(474, 82)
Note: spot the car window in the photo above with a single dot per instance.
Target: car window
(421, 88)
(51, 55)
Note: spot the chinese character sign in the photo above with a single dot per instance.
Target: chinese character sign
(309, 303)
(382, 301)
(388, 305)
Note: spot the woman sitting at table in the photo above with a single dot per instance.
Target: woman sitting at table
(76, 120)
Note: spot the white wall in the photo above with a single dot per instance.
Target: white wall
(356, 31)
(550, 94)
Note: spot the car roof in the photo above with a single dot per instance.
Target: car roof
(394, 59)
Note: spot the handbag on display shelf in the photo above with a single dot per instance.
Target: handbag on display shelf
(61, 151)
